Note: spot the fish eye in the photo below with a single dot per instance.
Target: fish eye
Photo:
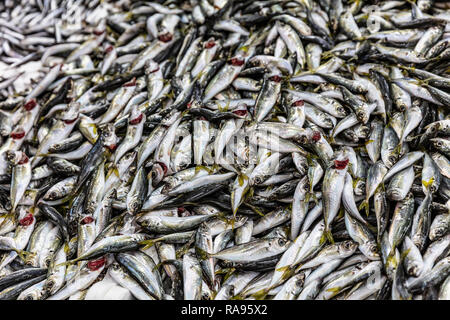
(281, 242)
(49, 285)
(47, 262)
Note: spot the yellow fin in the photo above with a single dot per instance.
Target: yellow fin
(428, 183)
(334, 290)
(261, 294)
(147, 243)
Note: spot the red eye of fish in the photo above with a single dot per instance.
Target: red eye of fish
(298, 103)
(70, 121)
(237, 62)
(137, 120)
(189, 105)
(316, 136)
(210, 44)
(109, 49)
(240, 113)
(18, 134)
(24, 159)
(132, 83)
(181, 210)
(27, 220)
(98, 32)
(338, 164)
(275, 78)
(96, 264)
(164, 167)
(112, 147)
(202, 118)
(30, 105)
(87, 220)
(165, 37)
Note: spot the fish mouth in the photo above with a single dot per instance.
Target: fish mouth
(395, 195)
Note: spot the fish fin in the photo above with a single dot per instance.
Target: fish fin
(66, 248)
(398, 149)
(334, 290)
(428, 183)
(341, 213)
(111, 171)
(391, 260)
(371, 227)
(261, 294)
(327, 54)
(173, 262)
(202, 254)
(326, 236)
(8, 216)
(329, 236)
(228, 274)
(355, 182)
(255, 209)
(43, 155)
(365, 205)
(404, 254)
(147, 243)
(23, 255)
(283, 269)
(67, 263)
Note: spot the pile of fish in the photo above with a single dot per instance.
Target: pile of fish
(219, 149)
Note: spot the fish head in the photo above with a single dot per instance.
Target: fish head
(151, 67)
(370, 250)
(136, 116)
(71, 114)
(108, 134)
(280, 243)
(159, 170)
(348, 246)
(16, 157)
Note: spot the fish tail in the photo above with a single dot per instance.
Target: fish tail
(428, 183)
(7, 216)
(147, 243)
(68, 263)
(261, 294)
(327, 54)
(327, 235)
(24, 255)
(371, 227)
(391, 260)
(202, 254)
(365, 205)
